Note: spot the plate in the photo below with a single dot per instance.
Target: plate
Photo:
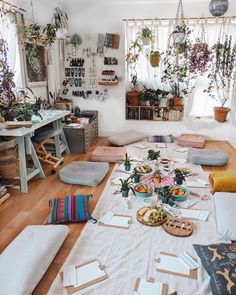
(140, 217)
(143, 169)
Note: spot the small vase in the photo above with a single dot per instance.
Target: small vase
(127, 167)
(136, 179)
(146, 40)
(179, 181)
(164, 199)
(125, 194)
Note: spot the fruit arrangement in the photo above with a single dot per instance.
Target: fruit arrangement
(143, 188)
(151, 215)
(144, 169)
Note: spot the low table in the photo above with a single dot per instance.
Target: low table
(130, 253)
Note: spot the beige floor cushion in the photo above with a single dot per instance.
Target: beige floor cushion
(24, 262)
(126, 138)
(108, 154)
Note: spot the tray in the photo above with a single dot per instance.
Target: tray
(140, 219)
(178, 227)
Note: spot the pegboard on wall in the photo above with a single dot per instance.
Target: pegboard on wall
(91, 68)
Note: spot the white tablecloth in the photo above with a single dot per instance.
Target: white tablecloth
(130, 253)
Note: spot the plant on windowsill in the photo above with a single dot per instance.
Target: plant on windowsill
(150, 96)
(133, 94)
(222, 76)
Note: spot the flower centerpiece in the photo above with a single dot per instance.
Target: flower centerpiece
(157, 180)
(222, 75)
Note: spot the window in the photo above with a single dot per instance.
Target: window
(198, 104)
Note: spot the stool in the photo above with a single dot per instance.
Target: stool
(41, 139)
(84, 173)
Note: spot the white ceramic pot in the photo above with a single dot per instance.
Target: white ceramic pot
(146, 40)
(61, 33)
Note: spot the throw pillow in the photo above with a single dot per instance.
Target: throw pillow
(219, 260)
(70, 209)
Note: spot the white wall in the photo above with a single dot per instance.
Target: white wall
(104, 16)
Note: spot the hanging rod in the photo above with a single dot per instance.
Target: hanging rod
(12, 5)
(184, 18)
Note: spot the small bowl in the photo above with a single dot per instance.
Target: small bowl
(182, 197)
(142, 195)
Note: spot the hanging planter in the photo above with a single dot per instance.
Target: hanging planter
(218, 7)
(146, 36)
(155, 57)
(61, 23)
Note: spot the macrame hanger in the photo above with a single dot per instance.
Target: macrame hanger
(32, 11)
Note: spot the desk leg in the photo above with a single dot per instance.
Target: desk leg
(22, 161)
(57, 125)
(36, 160)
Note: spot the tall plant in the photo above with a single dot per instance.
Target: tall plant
(6, 78)
(222, 76)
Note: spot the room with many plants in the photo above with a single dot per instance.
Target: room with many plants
(117, 147)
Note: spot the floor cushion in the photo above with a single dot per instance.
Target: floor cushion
(161, 138)
(125, 138)
(219, 262)
(225, 207)
(208, 157)
(84, 173)
(224, 181)
(108, 154)
(191, 140)
(24, 262)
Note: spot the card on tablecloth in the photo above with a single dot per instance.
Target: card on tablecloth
(144, 287)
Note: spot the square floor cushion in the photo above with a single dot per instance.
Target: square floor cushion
(225, 207)
(24, 262)
(84, 173)
(108, 154)
(191, 140)
(126, 138)
(208, 157)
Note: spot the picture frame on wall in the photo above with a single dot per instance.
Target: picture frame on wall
(35, 66)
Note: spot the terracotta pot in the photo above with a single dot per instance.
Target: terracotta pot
(133, 98)
(155, 60)
(177, 101)
(220, 114)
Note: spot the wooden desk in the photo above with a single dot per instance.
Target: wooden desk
(25, 145)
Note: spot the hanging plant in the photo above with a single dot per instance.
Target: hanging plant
(49, 36)
(154, 56)
(60, 19)
(200, 57)
(6, 78)
(145, 35)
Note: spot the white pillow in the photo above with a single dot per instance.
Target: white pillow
(225, 207)
(125, 138)
(24, 262)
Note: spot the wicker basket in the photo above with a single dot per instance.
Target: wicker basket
(9, 164)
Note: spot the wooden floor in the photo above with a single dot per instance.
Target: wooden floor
(21, 210)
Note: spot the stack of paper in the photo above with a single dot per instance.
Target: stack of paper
(194, 214)
(115, 220)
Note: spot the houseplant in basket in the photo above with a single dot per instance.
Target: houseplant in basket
(154, 57)
(146, 35)
(222, 76)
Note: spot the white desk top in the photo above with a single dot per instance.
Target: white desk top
(48, 117)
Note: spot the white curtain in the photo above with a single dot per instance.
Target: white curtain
(8, 31)
(198, 103)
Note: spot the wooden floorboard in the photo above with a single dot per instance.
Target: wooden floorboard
(21, 210)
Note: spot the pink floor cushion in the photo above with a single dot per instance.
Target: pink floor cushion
(108, 154)
(191, 140)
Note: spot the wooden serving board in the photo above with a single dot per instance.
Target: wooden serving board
(178, 227)
(140, 219)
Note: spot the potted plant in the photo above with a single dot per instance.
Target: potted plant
(179, 176)
(133, 94)
(146, 35)
(200, 57)
(125, 187)
(135, 177)
(165, 195)
(61, 22)
(180, 34)
(126, 162)
(154, 57)
(6, 79)
(153, 155)
(175, 91)
(222, 76)
(150, 96)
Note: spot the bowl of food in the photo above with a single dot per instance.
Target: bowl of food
(179, 193)
(152, 216)
(142, 191)
(143, 169)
